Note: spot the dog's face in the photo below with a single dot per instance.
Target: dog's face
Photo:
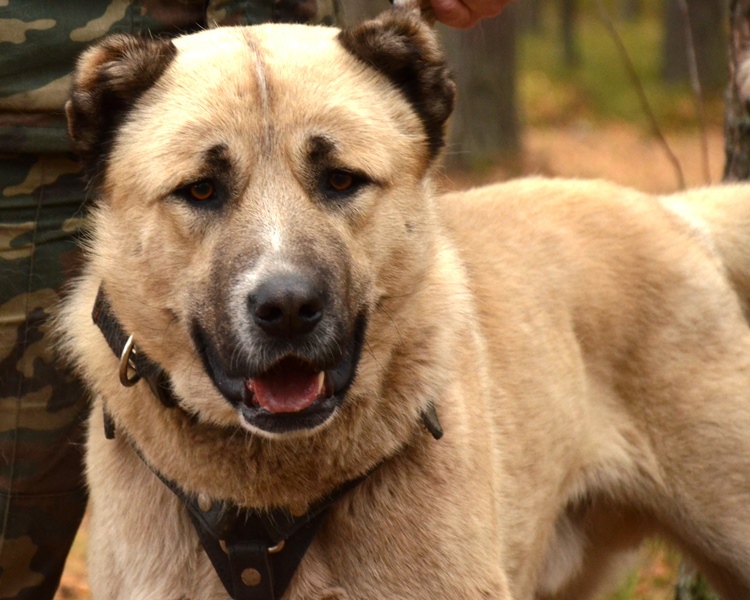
(262, 191)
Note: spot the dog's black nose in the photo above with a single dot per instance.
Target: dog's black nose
(287, 305)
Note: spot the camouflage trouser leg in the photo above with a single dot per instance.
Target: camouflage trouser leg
(42, 410)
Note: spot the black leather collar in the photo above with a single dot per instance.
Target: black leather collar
(143, 367)
(255, 553)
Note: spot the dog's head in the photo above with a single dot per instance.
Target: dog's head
(262, 196)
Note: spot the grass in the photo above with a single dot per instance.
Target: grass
(654, 579)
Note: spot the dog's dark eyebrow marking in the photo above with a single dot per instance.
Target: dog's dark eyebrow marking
(217, 159)
(321, 149)
(216, 163)
(323, 154)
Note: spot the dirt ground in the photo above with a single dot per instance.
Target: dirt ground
(617, 152)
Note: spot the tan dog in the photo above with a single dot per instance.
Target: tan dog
(267, 230)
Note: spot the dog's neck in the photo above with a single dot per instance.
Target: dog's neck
(240, 542)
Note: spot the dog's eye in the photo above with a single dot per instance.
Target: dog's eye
(340, 181)
(339, 184)
(202, 190)
(202, 194)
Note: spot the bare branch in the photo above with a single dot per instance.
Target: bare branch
(737, 122)
(697, 90)
(645, 105)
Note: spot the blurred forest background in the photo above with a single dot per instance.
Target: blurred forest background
(549, 70)
(545, 89)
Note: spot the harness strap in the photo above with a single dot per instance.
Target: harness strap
(255, 553)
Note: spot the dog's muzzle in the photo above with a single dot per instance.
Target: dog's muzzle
(310, 370)
(294, 394)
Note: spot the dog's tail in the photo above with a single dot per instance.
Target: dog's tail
(720, 216)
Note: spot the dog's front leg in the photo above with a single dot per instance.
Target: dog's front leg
(141, 543)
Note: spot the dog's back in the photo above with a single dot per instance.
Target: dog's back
(720, 216)
(619, 354)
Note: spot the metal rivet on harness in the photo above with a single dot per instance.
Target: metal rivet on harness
(204, 503)
(251, 577)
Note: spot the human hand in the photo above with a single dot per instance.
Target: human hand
(466, 13)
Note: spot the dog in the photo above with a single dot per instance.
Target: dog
(317, 377)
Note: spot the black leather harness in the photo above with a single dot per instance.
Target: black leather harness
(255, 553)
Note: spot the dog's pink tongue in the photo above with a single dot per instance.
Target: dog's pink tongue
(289, 387)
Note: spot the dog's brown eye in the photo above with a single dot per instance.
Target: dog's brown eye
(202, 191)
(340, 181)
(339, 185)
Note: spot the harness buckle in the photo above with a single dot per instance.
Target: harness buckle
(277, 548)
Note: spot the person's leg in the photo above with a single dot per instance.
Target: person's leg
(42, 409)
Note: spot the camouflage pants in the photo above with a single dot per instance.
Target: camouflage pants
(42, 410)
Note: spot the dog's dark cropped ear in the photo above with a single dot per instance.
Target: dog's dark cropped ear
(108, 80)
(405, 49)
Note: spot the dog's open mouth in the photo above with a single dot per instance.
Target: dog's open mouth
(290, 386)
(294, 393)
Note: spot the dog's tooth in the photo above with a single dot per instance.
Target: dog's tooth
(248, 397)
(321, 381)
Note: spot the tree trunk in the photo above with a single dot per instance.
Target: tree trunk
(356, 11)
(632, 9)
(568, 17)
(707, 28)
(485, 124)
(529, 16)
(737, 117)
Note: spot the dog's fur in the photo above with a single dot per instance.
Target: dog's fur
(584, 344)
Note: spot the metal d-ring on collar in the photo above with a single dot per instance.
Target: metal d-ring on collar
(126, 363)
(133, 365)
